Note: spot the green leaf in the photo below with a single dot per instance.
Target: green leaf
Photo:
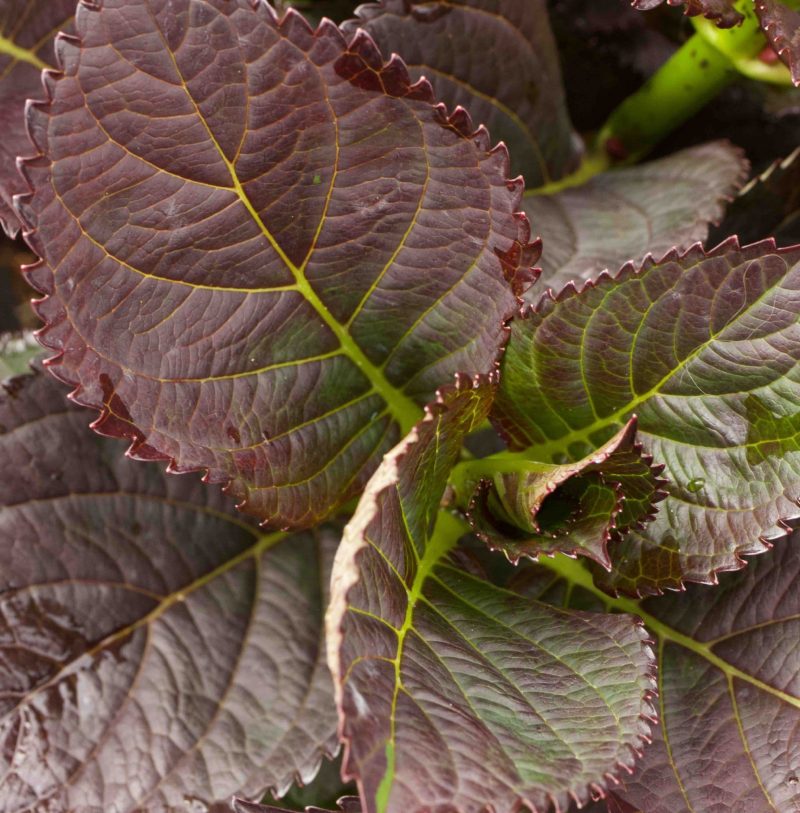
(525, 508)
(157, 651)
(263, 248)
(496, 58)
(17, 350)
(624, 214)
(454, 694)
(704, 348)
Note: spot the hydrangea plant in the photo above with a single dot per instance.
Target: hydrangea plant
(498, 423)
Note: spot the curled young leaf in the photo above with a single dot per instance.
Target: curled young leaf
(781, 24)
(157, 652)
(705, 349)
(27, 31)
(496, 58)
(263, 248)
(427, 655)
(729, 661)
(528, 508)
(622, 215)
(768, 206)
(722, 12)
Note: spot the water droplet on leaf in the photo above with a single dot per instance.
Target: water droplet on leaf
(694, 485)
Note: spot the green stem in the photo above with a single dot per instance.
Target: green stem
(681, 87)
(743, 46)
(708, 62)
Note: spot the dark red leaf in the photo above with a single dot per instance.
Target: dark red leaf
(496, 58)
(781, 24)
(622, 215)
(723, 12)
(705, 348)
(263, 248)
(27, 31)
(157, 652)
(456, 695)
(729, 686)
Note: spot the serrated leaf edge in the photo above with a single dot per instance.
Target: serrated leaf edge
(631, 270)
(291, 24)
(779, 43)
(692, 9)
(347, 577)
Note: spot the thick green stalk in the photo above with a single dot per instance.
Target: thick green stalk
(743, 46)
(709, 61)
(682, 86)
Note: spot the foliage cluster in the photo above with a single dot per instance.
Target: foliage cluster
(488, 502)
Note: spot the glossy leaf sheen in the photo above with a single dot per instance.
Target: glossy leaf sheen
(721, 11)
(27, 31)
(781, 24)
(622, 215)
(729, 688)
(263, 248)
(705, 349)
(496, 58)
(157, 651)
(429, 657)
(597, 499)
(768, 206)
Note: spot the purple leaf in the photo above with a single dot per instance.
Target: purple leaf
(573, 508)
(263, 248)
(27, 31)
(704, 348)
(729, 691)
(158, 652)
(722, 12)
(781, 24)
(621, 216)
(496, 58)
(428, 657)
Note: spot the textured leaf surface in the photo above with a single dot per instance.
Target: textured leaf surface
(262, 248)
(17, 350)
(575, 508)
(729, 733)
(156, 652)
(496, 58)
(705, 350)
(721, 11)
(769, 206)
(781, 24)
(729, 689)
(445, 683)
(622, 215)
(27, 31)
